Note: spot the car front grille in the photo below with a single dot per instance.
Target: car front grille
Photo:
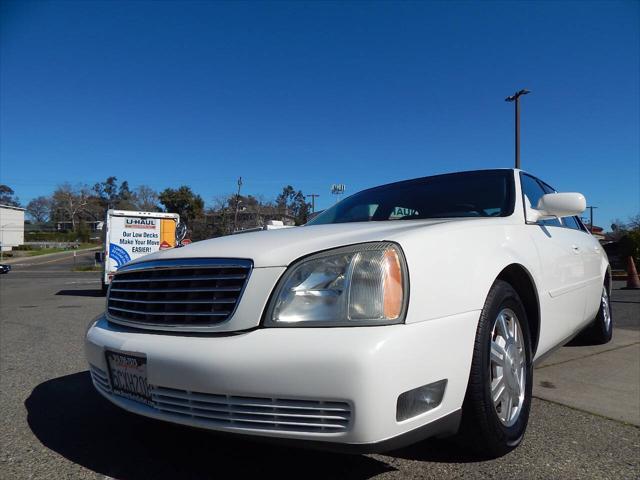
(252, 413)
(177, 295)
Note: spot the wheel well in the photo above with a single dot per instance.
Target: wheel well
(607, 280)
(520, 279)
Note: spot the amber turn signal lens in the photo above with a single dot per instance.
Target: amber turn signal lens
(393, 293)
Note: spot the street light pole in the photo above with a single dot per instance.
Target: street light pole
(516, 98)
(235, 216)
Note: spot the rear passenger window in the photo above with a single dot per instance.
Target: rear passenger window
(571, 222)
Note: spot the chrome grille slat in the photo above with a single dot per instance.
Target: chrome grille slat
(176, 290)
(177, 295)
(164, 313)
(180, 278)
(221, 301)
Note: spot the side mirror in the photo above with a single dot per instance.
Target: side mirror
(557, 205)
(98, 257)
(181, 232)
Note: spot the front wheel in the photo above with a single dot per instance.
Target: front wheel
(498, 400)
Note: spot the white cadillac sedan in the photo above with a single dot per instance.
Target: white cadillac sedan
(408, 310)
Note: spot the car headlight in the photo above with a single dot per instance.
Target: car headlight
(364, 284)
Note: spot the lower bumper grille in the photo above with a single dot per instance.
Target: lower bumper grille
(100, 379)
(291, 415)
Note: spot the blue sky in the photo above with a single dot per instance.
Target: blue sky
(309, 94)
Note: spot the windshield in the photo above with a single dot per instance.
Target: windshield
(486, 193)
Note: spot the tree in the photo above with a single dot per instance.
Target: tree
(619, 228)
(7, 196)
(146, 199)
(68, 202)
(295, 203)
(39, 209)
(634, 222)
(107, 192)
(126, 198)
(183, 202)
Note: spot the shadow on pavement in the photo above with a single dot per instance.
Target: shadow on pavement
(70, 418)
(91, 292)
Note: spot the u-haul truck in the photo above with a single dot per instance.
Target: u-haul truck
(129, 235)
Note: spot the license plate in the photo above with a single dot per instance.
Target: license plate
(128, 375)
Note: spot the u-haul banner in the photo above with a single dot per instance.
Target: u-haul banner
(134, 237)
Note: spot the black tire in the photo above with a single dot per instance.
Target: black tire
(481, 426)
(600, 330)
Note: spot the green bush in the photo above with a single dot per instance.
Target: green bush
(52, 237)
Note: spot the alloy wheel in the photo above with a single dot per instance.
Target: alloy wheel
(606, 312)
(507, 367)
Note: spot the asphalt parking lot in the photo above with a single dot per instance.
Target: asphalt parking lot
(585, 421)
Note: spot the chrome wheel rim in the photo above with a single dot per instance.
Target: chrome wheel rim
(606, 312)
(507, 370)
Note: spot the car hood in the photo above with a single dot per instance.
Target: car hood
(278, 248)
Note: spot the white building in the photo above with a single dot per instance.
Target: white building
(11, 227)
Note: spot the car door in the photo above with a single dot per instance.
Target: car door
(562, 270)
(592, 253)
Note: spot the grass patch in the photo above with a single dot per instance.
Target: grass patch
(44, 251)
(87, 268)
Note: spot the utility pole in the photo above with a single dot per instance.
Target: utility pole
(235, 217)
(313, 201)
(591, 218)
(516, 98)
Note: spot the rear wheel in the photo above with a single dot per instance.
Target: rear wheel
(498, 399)
(601, 330)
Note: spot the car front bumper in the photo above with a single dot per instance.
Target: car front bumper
(352, 374)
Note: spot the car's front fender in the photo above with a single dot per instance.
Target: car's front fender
(452, 270)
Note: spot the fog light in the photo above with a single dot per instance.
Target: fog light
(420, 400)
